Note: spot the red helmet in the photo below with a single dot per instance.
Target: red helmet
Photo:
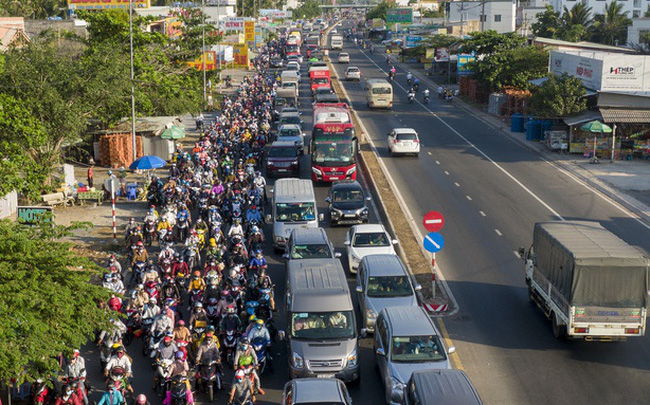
(139, 243)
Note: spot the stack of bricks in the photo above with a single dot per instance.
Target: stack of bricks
(116, 150)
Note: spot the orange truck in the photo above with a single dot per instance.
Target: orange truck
(320, 78)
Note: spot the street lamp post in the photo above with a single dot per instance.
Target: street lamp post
(135, 152)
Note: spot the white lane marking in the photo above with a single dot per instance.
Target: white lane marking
(482, 213)
(468, 197)
(516, 254)
(405, 207)
(432, 241)
(498, 232)
(606, 198)
(430, 154)
(447, 173)
(437, 162)
(467, 141)
(457, 185)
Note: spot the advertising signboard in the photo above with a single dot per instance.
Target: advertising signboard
(34, 215)
(412, 41)
(463, 64)
(399, 15)
(277, 14)
(105, 4)
(442, 54)
(240, 55)
(249, 31)
(234, 24)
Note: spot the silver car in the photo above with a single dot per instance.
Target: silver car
(367, 239)
(344, 57)
(406, 340)
(292, 133)
(352, 73)
(383, 281)
(403, 141)
(304, 391)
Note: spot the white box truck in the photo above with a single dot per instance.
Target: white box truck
(336, 41)
(590, 283)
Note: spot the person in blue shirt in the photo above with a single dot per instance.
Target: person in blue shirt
(253, 214)
(112, 396)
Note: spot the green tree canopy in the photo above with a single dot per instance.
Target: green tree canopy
(49, 303)
(380, 10)
(512, 67)
(309, 9)
(573, 25)
(559, 96)
(491, 42)
(33, 9)
(548, 23)
(611, 28)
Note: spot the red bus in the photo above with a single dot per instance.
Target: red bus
(334, 145)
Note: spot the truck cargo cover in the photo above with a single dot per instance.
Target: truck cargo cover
(590, 266)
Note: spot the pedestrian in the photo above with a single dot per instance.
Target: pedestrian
(91, 175)
(122, 178)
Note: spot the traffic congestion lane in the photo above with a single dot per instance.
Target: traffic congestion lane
(495, 326)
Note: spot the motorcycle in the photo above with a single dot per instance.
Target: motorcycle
(165, 238)
(41, 394)
(133, 327)
(183, 225)
(177, 390)
(139, 268)
(209, 378)
(192, 258)
(118, 376)
(152, 289)
(261, 345)
(163, 382)
(211, 310)
(411, 98)
(149, 232)
(426, 99)
(416, 86)
(229, 346)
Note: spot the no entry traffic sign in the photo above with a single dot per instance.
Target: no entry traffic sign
(433, 242)
(433, 221)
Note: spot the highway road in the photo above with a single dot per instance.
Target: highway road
(492, 190)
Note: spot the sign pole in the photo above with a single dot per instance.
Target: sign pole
(433, 275)
(113, 209)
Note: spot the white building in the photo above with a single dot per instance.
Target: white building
(634, 32)
(633, 8)
(497, 15)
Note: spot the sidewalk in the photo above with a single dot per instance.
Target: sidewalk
(625, 181)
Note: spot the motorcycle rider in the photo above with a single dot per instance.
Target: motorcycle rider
(416, 84)
(411, 95)
(208, 351)
(151, 274)
(174, 172)
(129, 229)
(241, 392)
(163, 324)
(113, 283)
(182, 334)
(197, 284)
(112, 396)
(108, 338)
(409, 77)
(120, 359)
(425, 95)
(150, 311)
(140, 254)
(236, 229)
(230, 321)
(179, 265)
(183, 216)
(141, 400)
(166, 252)
(68, 397)
(113, 262)
(260, 331)
(139, 298)
(245, 355)
(75, 374)
(226, 301)
(198, 315)
(166, 352)
(253, 214)
(260, 184)
(258, 262)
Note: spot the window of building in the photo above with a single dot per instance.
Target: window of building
(497, 18)
(637, 3)
(483, 18)
(636, 13)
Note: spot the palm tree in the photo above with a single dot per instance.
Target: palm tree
(611, 28)
(579, 14)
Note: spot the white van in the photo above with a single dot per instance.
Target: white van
(379, 93)
(290, 76)
(293, 206)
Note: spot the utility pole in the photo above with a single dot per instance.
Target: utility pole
(135, 152)
(462, 22)
(203, 53)
(483, 18)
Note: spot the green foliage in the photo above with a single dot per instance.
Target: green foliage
(548, 23)
(441, 41)
(647, 12)
(512, 67)
(491, 42)
(611, 28)
(33, 9)
(430, 13)
(558, 97)
(49, 303)
(309, 9)
(380, 10)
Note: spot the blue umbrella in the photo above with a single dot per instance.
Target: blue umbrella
(147, 162)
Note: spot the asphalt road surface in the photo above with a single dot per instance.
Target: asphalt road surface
(492, 190)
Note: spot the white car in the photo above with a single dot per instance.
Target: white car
(293, 65)
(297, 58)
(352, 73)
(344, 57)
(367, 239)
(403, 141)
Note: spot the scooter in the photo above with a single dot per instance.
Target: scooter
(229, 346)
(260, 345)
(411, 98)
(209, 376)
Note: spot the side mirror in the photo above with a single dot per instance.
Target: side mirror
(271, 190)
(359, 289)
(368, 198)
(321, 217)
(346, 243)
(395, 241)
(337, 255)
(281, 335)
(418, 287)
(451, 350)
(285, 256)
(269, 219)
(522, 252)
(380, 351)
(328, 200)
(363, 333)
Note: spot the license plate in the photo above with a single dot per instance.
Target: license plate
(349, 216)
(406, 143)
(283, 170)
(334, 178)
(327, 375)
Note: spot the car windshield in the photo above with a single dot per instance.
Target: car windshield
(343, 55)
(370, 239)
(353, 70)
(406, 136)
(347, 195)
(417, 349)
(294, 212)
(322, 325)
(333, 152)
(290, 120)
(282, 152)
(389, 286)
(320, 251)
(381, 90)
(320, 81)
(289, 132)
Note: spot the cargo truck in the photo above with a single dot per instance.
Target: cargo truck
(336, 41)
(591, 284)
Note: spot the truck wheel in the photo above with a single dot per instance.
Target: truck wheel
(559, 331)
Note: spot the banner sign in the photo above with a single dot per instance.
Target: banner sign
(399, 15)
(240, 55)
(105, 4)
(249, 31)
(442, 54)
(463, 64)
(33, 215)
(412, 41)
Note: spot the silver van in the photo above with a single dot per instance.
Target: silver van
(293, 206)
(305, 391)
(383, 281)
(309, 243)
(322, 333)
(440, 387)
(406, 340)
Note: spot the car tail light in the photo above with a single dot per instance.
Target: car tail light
(581, 330)
(416, 140)
(396, 140)
(632, 331)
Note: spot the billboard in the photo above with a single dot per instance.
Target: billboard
(412, 41)
(234, 24)
(442, 55)
(463, 64)
(249, 31)
(399, 15)
(240, 55)
(105, 4)
(277, 14)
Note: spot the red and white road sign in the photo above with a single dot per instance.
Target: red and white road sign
(433, 221)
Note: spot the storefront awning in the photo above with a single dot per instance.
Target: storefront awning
(581, 118)
(622, 115)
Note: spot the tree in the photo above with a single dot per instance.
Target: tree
(491, 42)
(559, 96)
(548, 23)
(309, 9)
(647, 12)
(33, 9)
(611, 28)
(579, 14)
(512, 67)
(46, 290)
(380, 10)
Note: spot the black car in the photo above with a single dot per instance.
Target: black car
(276, 62)
(347, 203)
(326, 98)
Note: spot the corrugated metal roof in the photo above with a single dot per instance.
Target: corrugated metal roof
(581, 118)
(620, 115)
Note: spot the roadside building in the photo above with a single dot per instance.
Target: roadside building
(498, 15)
(12, 33)
(639, 32)
(631, 8)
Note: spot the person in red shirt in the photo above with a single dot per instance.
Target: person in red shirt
(91, 176)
